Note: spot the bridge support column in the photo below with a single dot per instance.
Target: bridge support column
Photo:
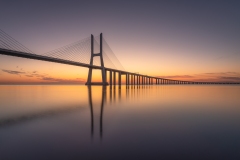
(89, 80)
(106, 75)
(114, 78)
(137, 79)
(134, 81)
(119, 79)
(130, 76)
(110, 76)
(126, 79)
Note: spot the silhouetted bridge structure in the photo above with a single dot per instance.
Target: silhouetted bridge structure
(79, 54)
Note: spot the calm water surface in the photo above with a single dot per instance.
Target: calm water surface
(146, 122)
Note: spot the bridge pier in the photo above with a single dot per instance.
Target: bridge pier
(89, 80)
(114, 78)
(129, 78)
(126, 80)
(133, 80)
(138, 80)
(119, 80)
(110, 76)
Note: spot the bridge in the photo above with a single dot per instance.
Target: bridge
(83, 53)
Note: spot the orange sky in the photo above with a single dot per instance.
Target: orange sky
(190, 40)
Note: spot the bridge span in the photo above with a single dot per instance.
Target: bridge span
(131, 78)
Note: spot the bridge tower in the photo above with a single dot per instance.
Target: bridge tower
(89, 80)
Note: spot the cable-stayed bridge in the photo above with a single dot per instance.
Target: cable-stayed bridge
(84, 53)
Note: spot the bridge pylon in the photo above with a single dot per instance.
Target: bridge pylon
(89, 80)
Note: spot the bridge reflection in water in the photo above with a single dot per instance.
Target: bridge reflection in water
(110, 95)
(112, 98)
(147, 119)
(114, 95)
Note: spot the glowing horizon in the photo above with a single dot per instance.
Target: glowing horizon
(182, 41)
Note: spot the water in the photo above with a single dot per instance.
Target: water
(146, 122)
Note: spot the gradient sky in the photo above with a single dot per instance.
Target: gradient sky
(184, 40)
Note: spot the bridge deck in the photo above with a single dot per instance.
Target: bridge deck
(62, 61)
(55, 60)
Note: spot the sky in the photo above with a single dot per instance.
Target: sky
(183, 40)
